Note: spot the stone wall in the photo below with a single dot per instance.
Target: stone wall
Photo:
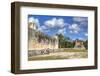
(37, 40)
(35, 45)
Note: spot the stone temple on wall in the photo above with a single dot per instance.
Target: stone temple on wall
(37, 40)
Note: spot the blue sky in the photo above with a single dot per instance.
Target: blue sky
(70, 26)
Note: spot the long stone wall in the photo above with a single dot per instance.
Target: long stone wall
(37, 40)
(35, 45)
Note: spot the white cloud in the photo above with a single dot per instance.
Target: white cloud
(35, 20)
(75, 31)
(54, 22)
(79, 19)
(86, 34)
(62, 31)
(42, 28)
(82, 20)
(74, 28)
(60, 22)
(71, 31)
(50, 23)
(81, 38)
(31, 19)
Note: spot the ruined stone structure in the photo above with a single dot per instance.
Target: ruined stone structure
(79, 44)
(37, 40)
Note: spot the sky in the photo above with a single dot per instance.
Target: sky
(73, 27)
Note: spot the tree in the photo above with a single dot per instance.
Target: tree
(65, 42)
(61, 40)
(86, 44)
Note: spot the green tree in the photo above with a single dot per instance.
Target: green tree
(86, 44)
(61, 40)
(65, 42)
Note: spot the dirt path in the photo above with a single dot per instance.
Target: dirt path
(60, 55)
